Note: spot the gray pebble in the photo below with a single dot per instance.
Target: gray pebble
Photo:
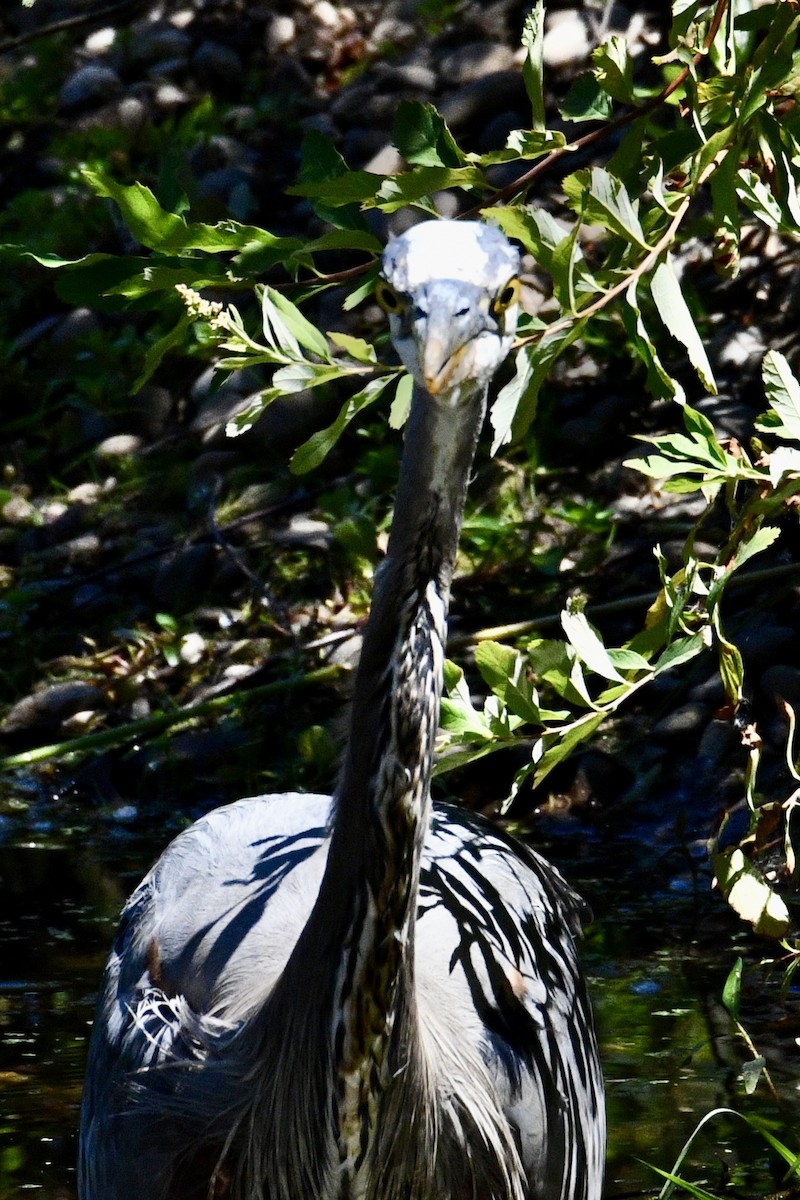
(219, 61)
(92, 84)
(119, 445)
(688, 719)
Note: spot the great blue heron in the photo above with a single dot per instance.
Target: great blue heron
(364, 997)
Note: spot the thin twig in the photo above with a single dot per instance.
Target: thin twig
(158, 722)
(515, 629)
(70, 23)
(649, 260)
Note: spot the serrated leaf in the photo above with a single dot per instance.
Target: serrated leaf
(355, 187)
(613, 68)
(160, 230)
(783, 393)
(411, 187)
(422, 137)
(674, 312)
(760, 540)
(312, 452)
(533, 67)
(609, 203)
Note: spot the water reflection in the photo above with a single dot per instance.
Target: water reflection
(657, 970)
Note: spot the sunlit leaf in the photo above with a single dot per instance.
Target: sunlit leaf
(783, 393)
(533, 67)
(588, 644)
(675, 313)
(749, 894)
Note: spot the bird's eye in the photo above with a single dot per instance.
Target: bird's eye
(387, 297)
(507, 296)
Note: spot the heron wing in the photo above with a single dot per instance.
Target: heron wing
(497, 971)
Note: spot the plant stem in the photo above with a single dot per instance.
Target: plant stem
(158, 722)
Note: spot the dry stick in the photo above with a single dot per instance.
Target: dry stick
(88, 18)
(505, 633)
(147, 726)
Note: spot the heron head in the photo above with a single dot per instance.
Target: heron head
(451, 292)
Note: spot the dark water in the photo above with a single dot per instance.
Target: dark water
(657, 964)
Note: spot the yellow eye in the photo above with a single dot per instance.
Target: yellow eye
(387, 297)
(507, 296)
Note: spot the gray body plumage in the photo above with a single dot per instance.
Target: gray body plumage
(328, 1000)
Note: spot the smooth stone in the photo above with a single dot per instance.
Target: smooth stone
(49, 707)
(94, 83)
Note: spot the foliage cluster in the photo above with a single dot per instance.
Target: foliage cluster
(718, 143)
(707, 160)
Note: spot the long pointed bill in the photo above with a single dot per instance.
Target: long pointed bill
(443, 346)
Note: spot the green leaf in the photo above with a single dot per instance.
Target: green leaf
(586, 100)
(659, 381)
(760, 540)
(553, 754)
(410, 187)
(674, 312)
(682, 650)
(589, 645)
(613, 69)
(401, 405)
(604, 199)
(355, 187)
(731, 992)
(320, 162)
(504, 669)
(356, 347)
(783, 393)
(312, 452)
(516, 403)
(422, 137)
(533, 67)
(159, 230)
(285, 325)
(152, 361)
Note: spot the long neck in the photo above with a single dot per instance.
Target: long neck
(354, 960)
